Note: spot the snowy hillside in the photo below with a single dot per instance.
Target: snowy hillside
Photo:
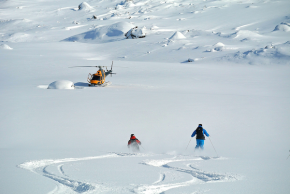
(250, 31)
(178, 63)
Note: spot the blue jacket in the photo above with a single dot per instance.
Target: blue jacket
(204, 132)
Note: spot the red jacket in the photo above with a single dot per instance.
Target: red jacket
(134, 139)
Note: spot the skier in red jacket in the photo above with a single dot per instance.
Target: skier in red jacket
(134, 143)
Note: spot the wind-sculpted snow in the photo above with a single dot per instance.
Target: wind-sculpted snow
(269, 52)
(283, 27)
(98, 22)
(109, 33)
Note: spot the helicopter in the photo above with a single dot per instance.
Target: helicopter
(98, 78)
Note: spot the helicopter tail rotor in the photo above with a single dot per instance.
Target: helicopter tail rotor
(111, 69)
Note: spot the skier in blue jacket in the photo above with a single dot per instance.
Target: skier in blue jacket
(199, 132)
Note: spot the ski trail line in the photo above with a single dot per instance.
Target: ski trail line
(161, 178)
(32, 165)
(64, 183)
(198, 176)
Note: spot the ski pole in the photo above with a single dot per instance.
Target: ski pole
(188, 143)
(213, 147)
(142, 146)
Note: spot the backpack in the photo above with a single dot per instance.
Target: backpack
(199, 133)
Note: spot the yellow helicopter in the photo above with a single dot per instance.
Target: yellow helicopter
(98, 78)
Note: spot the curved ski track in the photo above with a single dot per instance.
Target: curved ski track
(198, 175)
(67, 185)
(40, 167)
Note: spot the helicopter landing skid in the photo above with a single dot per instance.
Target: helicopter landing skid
(102, 85)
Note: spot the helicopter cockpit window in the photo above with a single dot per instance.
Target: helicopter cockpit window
(96, 77)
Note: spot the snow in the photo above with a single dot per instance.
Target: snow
(219, 44)
(61, 84)
(177, 36)
(136, 33)
(109, 33)
(221, 63)
(5, 47)
(283, 27)
(84, 6)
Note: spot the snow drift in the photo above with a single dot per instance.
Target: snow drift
(16, 24)
(84, 6)
(177, 36)
(108, 33)
(277, 54)
(124, 4)
(283, 27)
(219, 46)
(5, 47)
(61, 84)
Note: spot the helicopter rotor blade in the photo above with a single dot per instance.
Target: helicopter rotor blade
(100, 66)
(83, 66)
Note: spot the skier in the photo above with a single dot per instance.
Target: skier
(134, 143)
(199, 132)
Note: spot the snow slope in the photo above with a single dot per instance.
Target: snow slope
(47, 169)
(74, 141)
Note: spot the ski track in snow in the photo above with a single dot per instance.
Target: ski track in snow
(77, 186)
(67, 185)
(198, 175)
(161, 178)
(60, 169)
(40, 167)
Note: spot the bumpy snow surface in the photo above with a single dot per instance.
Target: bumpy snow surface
(108, 33)
(222, 63)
